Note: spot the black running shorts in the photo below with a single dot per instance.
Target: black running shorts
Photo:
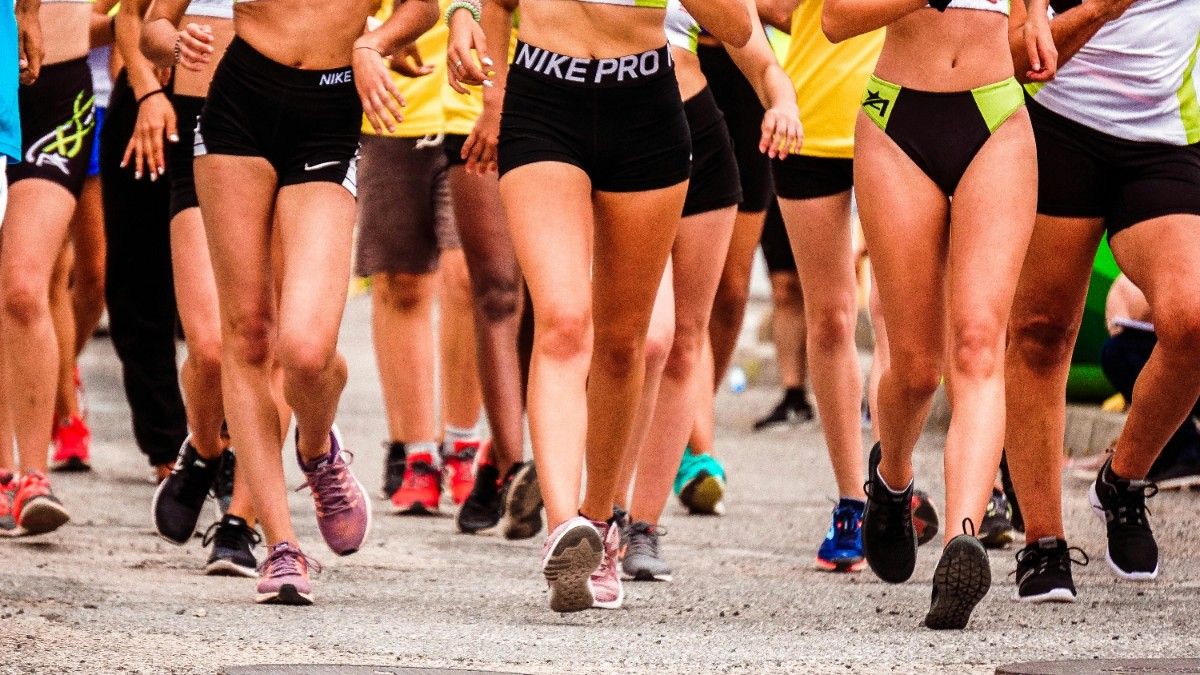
(715, 183)
(743, 116)
(304, 122)
(804, 177)
(179, 155)
(620, 120)
(1084, 173)
(58, 120)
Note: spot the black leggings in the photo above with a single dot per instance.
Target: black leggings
(139, 289)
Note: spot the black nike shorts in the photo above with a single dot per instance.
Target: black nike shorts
(714, 183)
(743, 116)
(179, 155)
(304, 122)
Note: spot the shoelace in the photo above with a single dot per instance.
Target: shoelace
(230, 535)
(284, 560)
(420, 470)
(1131, 507)
(643, 539)
(1041, 560)
(330, 486)
(612, 545)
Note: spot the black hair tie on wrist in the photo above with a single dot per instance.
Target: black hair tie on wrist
(148, 94)
(939, 5)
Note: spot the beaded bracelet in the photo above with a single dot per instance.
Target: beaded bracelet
(473, 7)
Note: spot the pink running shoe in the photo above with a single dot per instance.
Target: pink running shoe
(343, 510)
(283, 576)
(606, 580)
(571, 555)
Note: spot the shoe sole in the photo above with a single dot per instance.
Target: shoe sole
(568, 569)
(1061, 595)
(227, 568)
(41, 516)
(841, 566)
(415, 509)
(522, 517)
(286, 595)
(962, 578)
(73, 465)
(703, 495)
(642, 575)
(1098, 509)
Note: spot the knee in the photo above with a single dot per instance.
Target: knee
(616, 351)
(659, 343)
(978, 349)
(785, 291)
(23, 303)
(498, 299)
(1178, 330)
(249, 340)
(564, 333)
(401, 292)
(831, 324)
(205, 356)
(1043, 342)
(916, 375)
(685, 350)
(303, 356)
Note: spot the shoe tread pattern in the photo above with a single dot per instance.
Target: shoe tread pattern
(575, 557)
(962, 578)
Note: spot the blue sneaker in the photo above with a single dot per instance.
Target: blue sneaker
(700, 484)
(842, 550)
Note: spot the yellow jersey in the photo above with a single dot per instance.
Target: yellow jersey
(829, 81)
(432, 107)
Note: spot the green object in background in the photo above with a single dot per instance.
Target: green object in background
(1086, 381)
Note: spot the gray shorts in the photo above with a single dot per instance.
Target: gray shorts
(405, 216)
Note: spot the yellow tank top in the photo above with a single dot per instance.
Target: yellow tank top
(829, 81)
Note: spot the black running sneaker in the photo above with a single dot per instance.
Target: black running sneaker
(961, 579)
(180, 497)
(393, 468)
(1132, 552)
(222, 487)
(1044, 571)
(522, 502)
(233, 543)
(925, 517)
(996, 530)
(793, 409)
(889, 540)
(484, 505)
(1010, 493)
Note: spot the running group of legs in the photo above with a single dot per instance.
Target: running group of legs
(581, 203)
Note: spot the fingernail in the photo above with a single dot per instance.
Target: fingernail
(174, 138)
(487, 83)
(487, 61)
(137, 175)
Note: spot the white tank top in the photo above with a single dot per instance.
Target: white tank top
(1137, 78)
(218, 9)
(682, 29)
(982, 5)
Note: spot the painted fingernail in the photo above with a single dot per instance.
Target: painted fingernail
(487, 83)
(174, 138)
(487, 61)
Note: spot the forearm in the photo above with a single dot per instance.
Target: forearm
(27, 7)
(844, 19)
(408, 22)
(100, 30)
(727, 20)
(139, 70)
(757, 62)
(1071, 31)
(497, 30)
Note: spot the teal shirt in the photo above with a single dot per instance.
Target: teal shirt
(10, 114)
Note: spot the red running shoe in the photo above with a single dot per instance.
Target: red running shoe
(72, 439)
(458, 466)
(422, 487)
(35, 508)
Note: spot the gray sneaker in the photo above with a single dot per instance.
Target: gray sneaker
(642, 561)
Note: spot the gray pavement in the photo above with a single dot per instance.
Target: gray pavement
(106, 595)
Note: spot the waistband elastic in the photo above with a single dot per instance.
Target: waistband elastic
(247, 57)
(621, 71)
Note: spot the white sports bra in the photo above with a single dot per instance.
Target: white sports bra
(1000, 6)
(218, 9)
(682, 29)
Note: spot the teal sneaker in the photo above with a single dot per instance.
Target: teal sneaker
(700, 484)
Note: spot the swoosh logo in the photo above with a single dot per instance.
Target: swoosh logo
(322, 165)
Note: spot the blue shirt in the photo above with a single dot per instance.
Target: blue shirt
(10, 114)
